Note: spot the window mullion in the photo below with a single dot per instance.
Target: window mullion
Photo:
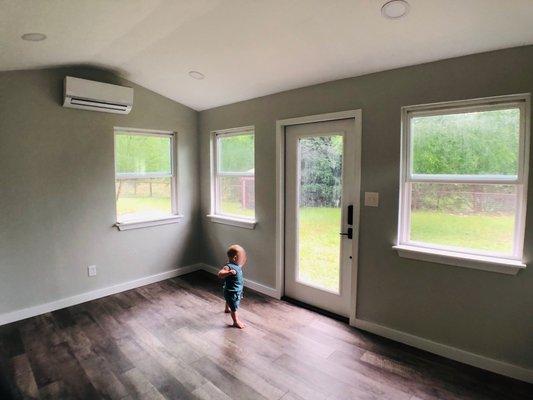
(237, 174)
(463, 181)
(142, 176)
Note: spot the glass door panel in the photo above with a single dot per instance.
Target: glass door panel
(319, 211)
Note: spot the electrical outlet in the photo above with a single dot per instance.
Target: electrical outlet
(91, 270)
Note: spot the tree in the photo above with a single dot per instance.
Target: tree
(470, 143)
(320, 171)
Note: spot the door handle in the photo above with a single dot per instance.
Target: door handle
(348, 234)
(350, 214)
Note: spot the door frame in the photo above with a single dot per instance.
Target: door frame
(356, 115)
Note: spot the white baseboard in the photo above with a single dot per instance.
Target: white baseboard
(29, 312)
(258, 287)
(489, 364)
(92, 295)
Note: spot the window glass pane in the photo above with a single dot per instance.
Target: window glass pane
(319, 213)
(142, 154)
(236, 196)
(473, 143)
(143, 198)
(236, 153)
(468, 216)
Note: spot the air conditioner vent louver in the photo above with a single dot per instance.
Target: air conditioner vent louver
(97, 96)
(97, 104)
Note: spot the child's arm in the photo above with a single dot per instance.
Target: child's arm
(225, 271)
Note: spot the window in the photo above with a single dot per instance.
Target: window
(464, 179)
(145, 176)
(233, 183)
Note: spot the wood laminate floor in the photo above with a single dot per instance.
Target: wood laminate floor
(170, 340)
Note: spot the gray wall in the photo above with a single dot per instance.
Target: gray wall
(482, 312)
(57, 203)
(57, 189)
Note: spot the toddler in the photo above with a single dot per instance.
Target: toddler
(233, 281)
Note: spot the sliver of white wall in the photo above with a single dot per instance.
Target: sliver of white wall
(500, 367)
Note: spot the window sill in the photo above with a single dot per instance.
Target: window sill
(127, 225)
(240, 222)
(484, 263)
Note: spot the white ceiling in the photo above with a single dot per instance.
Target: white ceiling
(250, 48)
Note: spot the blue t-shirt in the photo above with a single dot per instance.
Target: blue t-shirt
(234, 283)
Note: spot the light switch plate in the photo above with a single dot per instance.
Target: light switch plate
(91, 270)
(371, 199)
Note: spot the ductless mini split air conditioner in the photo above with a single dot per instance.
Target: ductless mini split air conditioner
(97, 96)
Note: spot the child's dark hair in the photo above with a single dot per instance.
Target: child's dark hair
(232, 252)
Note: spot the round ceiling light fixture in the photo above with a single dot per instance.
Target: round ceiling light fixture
(196, 75)
(395, 9)
(33, 37)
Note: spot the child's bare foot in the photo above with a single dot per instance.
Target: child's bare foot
(238, 324)
(236, 321)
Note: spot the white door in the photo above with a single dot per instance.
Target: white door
(319, 199)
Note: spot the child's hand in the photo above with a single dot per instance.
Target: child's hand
(233, 272)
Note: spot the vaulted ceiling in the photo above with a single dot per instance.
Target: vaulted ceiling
(250, 48)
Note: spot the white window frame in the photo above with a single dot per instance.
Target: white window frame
(487, 261)
(215, 215)
(172, 218)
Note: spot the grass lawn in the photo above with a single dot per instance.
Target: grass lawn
(143, 205)
(234, 208)
(319, 247)
(480, 232)
(319, 238)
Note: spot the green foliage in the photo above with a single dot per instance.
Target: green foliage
(320, 171)
(142, 154)
(469, 143)
(236, 153)
(472, 143)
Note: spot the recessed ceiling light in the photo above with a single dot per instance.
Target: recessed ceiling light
(196, 75)
(395, 9)
(33, 37)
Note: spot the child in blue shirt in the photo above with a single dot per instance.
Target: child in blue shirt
(233, 281)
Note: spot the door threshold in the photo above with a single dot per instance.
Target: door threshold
(316, 309)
